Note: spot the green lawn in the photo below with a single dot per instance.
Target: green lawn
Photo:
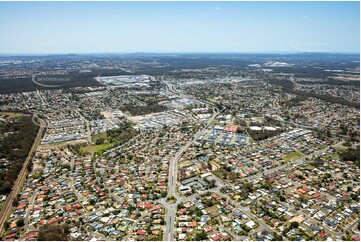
(340, 148)
(334, 156)
(96, 148)
(214, 122)
(11, 114)
(171, 199)
(92, 149)
(109, 139)
(293, 156)
(309, 167)
(209, 99)
(99, 136)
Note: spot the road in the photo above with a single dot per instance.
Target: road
(172, 182)
(115, 197)
(172, 176)
(235, 236)
(246, 210)
(7, 208)
(351, 226)
(26, 219)
(129, 235)
(40, 97)
(170, 88)
(89, 137)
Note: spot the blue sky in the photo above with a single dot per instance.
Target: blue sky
(105, 27)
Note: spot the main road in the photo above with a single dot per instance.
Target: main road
(172, 181)
(172, 176)
(7, 208)
(89, 137)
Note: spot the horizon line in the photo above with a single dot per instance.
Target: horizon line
(180, 52)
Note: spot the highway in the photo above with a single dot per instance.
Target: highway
(7, 208)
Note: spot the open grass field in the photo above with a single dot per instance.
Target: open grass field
(11, 114)
(92, 149)
(95, 148)
(340, 148)
(185, 163)
(334, 156)
(293, 156)
(214, 122)
(104, 141)
(100, 136)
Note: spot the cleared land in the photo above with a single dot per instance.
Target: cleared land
(293, 156)
(11, 114)
(92, 149)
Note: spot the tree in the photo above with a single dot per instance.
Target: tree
(149, 231)
(213, 183)
(209, 166)
(294, 225)
(20, 223)
(199, 212)
(354, 197)
(351, 154)
(52, 232)
(201, 236)
(209, 203)
(180, 206)
(15, 147)
(99, 141)
(15, 202)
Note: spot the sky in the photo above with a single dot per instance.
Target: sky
(123, 27)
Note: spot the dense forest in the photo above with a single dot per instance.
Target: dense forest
(52, 232)
(17, 138)
(294, 101)
(287, 86)
(262, 134)
(25, 84)
(151, 106)
(331, 81)
(143, 110)
(110, 138)
(351, 154)
(121, 135)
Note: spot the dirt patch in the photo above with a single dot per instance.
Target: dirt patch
(61, 144)
(184, 164)
(215, 165)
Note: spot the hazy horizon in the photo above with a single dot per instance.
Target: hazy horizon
(38, 28)
(174, 52)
